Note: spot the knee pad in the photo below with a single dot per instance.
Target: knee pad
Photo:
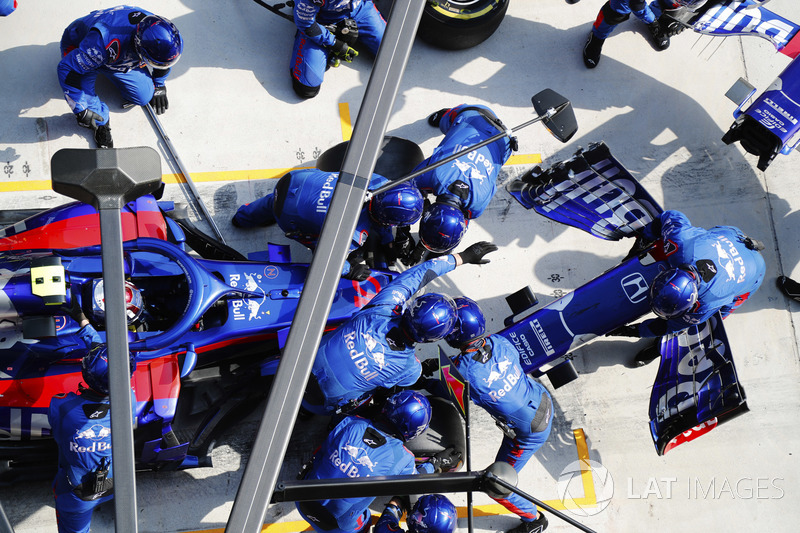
(303, 90)
(612, 17)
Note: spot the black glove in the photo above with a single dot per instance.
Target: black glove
(417, 256)
(474, 253)
(446, 460)
(404, 503)
(343, 52)
(159, 100)
(429, 366)
(630, 330)
(88, 119)
(346, 30)
(403, 244)
(75, 311)
(358, 272)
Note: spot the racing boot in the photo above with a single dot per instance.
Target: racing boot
(537, 526)
(102, 136)
(789, 287)
(435, 118)
(591, 52)
(660, 38)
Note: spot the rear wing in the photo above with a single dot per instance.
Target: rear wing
(591, 191)
(696, 387)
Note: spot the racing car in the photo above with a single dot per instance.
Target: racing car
(696, 387)
(769, 125)
(206, 342)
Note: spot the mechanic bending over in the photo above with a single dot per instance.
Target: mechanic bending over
(372, 449)
(464, 187)
(375, 347)
(710, 270)
(299, 204)
(521, 406)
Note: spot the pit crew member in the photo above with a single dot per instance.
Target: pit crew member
(133, 48)
(432, 513)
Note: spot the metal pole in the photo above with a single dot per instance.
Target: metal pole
(467, 401)
(465, 151)
(107, 179)
(187, 178)
(272, 440)
(119, 374)
(539, 503)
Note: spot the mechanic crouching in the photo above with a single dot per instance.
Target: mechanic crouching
(326, 33)
(432, 513)
(81, 428)
(358, 448)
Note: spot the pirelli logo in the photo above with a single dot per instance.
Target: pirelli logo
(540, 334)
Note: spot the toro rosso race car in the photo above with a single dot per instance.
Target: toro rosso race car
(696, 387)
(205, 333)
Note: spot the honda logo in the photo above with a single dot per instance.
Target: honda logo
(635, 287)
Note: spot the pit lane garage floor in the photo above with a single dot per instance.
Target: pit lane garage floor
(237, 125)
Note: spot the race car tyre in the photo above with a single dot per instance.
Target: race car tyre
(460, 24)
(562, 374)
(397, 157)
(446, 429)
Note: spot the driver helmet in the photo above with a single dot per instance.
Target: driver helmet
(409, 412)
(470, 323)
(158, 42)
(399, 206)
(134, 302)
(432, 513)
(673, 292)
(442, 225)
(430, 317)
(94, 369)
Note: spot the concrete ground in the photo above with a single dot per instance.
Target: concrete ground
(237, 125)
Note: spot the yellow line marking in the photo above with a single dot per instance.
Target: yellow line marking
(589, 498)
(344, 118)
(244, 175)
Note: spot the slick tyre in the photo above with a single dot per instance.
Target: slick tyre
(397, 157)
(460, 24)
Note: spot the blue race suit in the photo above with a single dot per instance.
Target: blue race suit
(728, 270)
(614, 12)
(471, 179)
(313, 41)
(299, 204)
(355, 448)
(102, 41)
(499, 385)
(364, 353)
(7, 7)
(81, 428)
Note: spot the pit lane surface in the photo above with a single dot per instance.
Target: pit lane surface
(236, 124)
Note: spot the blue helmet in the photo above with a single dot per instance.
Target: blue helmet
(158, 42)
(674, 292)
(94, 368)
(432, 513)
(409, 412)
(399, 206)
(430, 317)
(470, 323)
(442, 226)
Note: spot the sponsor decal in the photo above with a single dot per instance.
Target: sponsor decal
(635, 287)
